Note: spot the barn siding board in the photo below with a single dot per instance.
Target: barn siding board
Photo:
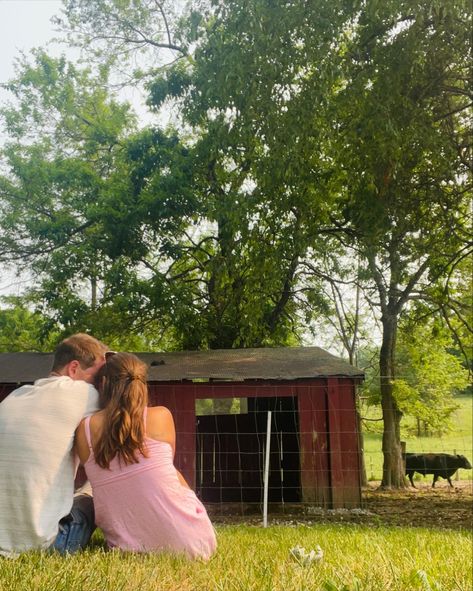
(185, 426)
(313, 428)
(351, 455)
(334, 403)
(244, 390)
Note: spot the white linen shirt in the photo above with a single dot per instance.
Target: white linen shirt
(37, 464)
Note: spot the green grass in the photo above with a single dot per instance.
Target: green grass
(459, 441)
(254, 559)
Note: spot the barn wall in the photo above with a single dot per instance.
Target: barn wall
(329, 453)
(180, 399)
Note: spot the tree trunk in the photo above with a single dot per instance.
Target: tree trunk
(93, 296)
(393, 470)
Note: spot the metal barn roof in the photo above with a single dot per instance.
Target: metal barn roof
(283, 363)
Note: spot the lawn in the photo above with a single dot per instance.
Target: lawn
(458, 441)
(250, 558)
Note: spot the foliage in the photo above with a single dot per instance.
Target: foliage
(23, 330)
(131, 232)
(64, 140)
(429, 377)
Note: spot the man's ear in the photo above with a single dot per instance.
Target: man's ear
(71, 369)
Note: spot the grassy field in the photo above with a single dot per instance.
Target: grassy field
(254, 559)
(459, 440)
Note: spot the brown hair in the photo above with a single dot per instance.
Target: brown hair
(124, 396)
(79, 347)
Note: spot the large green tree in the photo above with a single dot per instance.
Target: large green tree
(133, 231)
(353, 119)
(63, 139)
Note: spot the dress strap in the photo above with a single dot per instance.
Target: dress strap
(145, 414)
(87, 431)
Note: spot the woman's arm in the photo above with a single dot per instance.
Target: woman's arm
(81, 448)
(182, 480)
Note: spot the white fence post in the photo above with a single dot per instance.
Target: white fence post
(266, 471)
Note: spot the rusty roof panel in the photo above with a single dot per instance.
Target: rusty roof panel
(283, 363)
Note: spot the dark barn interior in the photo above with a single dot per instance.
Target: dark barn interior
(231, 447)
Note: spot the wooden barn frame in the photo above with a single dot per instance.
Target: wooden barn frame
(315, 455)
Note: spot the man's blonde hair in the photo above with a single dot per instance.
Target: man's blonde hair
(80, 347)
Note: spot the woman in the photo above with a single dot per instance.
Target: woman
(142, 503)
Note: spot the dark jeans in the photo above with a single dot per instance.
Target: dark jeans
(76, 529)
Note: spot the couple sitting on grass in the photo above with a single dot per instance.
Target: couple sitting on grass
(141, 502)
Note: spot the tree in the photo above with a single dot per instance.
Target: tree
(265, 190)
(58, 209)
(355, 118)
(134, 232)
(402, 152)
(64, 137)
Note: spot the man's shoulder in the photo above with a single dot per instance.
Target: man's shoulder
(54, 387)
(56, 401)
(64, 383)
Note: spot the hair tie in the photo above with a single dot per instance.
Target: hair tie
(134, 376)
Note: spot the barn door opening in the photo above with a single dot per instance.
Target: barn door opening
(231, 440)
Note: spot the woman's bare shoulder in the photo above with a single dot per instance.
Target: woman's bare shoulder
(160, 424)
(159, 413)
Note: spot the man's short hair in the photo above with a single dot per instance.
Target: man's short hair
(80, 347)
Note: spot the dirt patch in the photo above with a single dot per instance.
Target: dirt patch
(441, 507)
(424, 506)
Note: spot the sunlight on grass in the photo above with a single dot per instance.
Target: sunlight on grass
(457, 441)
(251, 558)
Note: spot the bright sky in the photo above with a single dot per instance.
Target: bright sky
(23, 24)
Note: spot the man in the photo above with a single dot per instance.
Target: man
(37, 464)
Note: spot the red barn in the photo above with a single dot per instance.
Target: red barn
(220, 400)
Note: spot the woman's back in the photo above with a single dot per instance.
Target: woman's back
(144, 506)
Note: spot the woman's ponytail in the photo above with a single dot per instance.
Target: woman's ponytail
(124, 394)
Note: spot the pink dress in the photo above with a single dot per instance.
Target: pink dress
(143, 507)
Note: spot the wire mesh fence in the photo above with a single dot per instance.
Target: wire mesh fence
(316, 446)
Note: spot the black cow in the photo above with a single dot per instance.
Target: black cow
(444, 465)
